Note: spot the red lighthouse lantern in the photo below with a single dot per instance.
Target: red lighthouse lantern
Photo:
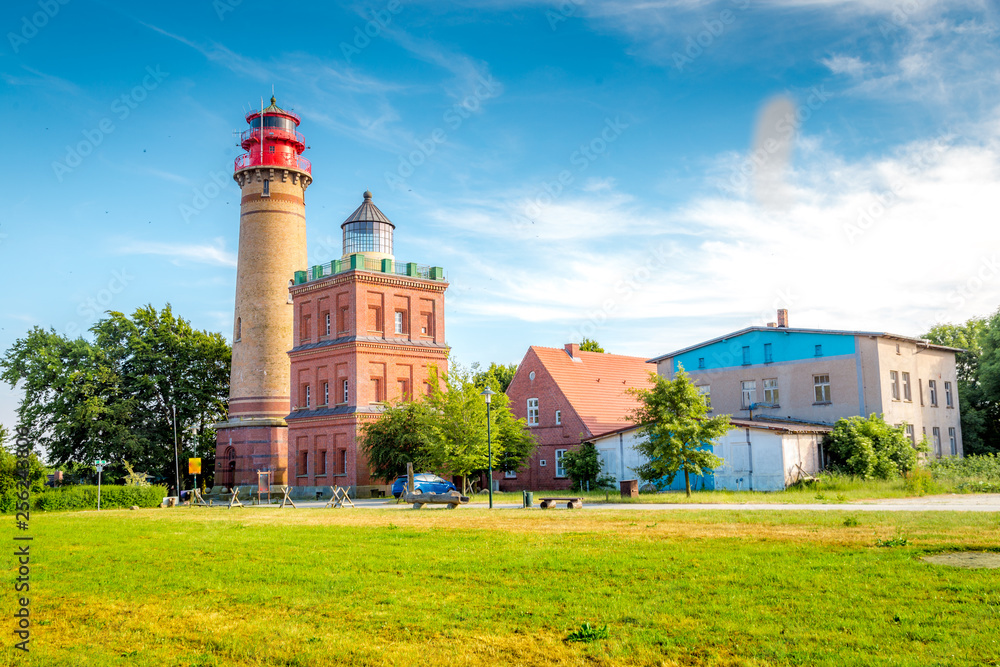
(272, 140)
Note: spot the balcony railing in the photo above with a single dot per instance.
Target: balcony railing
(358, 262)
(254, 134)
(254, 113)
(273, 160)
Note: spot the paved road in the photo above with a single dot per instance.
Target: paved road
(978, 502)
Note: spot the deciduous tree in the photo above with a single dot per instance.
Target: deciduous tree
(870, 448)
(676, 433)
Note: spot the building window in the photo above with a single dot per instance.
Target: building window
(897, 348)
(321, 462)
(932, 389)
(819, 351)
(343, 461)
(911, 435)
(907, 392)
(706, 395)
(327, 324)
(767, 353)
(560, 465)
(344, 400)
(749, 392)
(821, 385)
(701, 362)
(532, 412)
(399, 322)
(266, 192)
(558, 417)
(936, 434)
(894, 382)
(953, 440)
(771, 391)
(746, 355)
(542, 463)
(947, 395)
(308, 396)
(377, 396)
(920, 386)
(239, 329)
(303, 464)
(326, 393)
(510, 474)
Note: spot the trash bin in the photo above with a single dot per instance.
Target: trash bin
(528, 498)
(630, 488)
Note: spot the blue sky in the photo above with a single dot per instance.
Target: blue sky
(649, 174)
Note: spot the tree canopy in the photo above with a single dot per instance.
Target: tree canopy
(978, 370)
(113, 398)
(588, 345)
(498, 376)
(676, 433)
(446, 431)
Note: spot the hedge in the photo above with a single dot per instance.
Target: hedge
(85, 498)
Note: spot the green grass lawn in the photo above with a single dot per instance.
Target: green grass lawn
(197, 586)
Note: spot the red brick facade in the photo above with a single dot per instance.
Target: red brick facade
(587, 389)
(362, 338)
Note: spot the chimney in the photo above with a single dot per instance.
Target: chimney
(782, 318)
(573, 350)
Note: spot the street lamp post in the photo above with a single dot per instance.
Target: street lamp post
(488, 395)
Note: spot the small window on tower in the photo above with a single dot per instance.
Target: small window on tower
(266, 192)
(270, 149)
(239, 328)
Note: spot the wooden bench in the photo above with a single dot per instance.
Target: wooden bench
(572, 502)
(452, 499)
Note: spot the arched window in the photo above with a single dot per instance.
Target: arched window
(229, 468)
(239, 329)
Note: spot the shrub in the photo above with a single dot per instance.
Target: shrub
(984, 468)
(85, 497)
(583, 466)
(870, 448)
(920, 482)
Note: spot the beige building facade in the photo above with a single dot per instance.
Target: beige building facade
(820, 376)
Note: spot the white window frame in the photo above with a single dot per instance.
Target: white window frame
(822, 391)
(932, 388)
(894, 384)
(346, 397)
(948, 401)
(265, 190)
(532, 412)
(771, 391)
(328, 324)
(953, 440)
(705, 391)
(911, 434)
(308, 396)
(558, 417)
(936, 437)
(560, 466)
(907, 388)
(510, 474)
(399, 321)
(748, 393)
(326, 393)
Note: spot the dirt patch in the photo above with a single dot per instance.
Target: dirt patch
(969, 559)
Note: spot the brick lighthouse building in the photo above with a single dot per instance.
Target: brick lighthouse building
(367, 330)
(273, 178)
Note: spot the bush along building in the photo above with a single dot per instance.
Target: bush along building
(817, 376)
(316, 350)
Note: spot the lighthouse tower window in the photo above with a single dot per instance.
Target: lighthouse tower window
(266, 192)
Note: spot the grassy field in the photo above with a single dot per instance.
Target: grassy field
(196, 586)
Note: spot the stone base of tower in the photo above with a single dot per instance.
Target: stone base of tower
(248, 446)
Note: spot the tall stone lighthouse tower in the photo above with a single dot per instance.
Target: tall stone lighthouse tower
(273, 178)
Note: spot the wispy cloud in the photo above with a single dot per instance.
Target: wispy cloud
(179, 253)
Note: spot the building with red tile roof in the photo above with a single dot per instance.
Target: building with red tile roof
(568, 397)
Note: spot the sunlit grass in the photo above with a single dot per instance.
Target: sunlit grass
(197, 586)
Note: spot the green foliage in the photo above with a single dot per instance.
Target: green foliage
(588, 345)
(457, 442)
(851, 522)
(583, 466)
(978, 369)
(920, 482)
(113, 398)
(985, 468)
(676, 432)
(897, 541)
(85, 498)
(588, 633)
(10, 475)
(870, 448)
(134, 478)
(497, 376)
(401, 435)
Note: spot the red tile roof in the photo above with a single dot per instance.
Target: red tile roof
(595, 385)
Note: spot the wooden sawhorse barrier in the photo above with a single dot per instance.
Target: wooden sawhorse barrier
(339, 498)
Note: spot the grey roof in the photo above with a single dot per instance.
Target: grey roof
(882, 334)
(369, 339)
(367, 212)
(337, 410)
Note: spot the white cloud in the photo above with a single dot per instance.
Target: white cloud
(179, 253)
